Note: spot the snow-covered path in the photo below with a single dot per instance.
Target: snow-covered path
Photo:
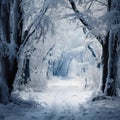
(62, 100)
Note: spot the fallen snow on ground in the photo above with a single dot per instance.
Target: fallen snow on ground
(61, 100)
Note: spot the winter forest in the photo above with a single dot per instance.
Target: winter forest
(59, 59)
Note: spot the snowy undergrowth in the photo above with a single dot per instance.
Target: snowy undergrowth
(59, 91)
(60, 94)
(62, 100)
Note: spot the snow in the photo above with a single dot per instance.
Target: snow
(61, 100)
(67, 98)
(59, 91)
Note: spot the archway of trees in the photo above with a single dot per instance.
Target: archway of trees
(23, 27)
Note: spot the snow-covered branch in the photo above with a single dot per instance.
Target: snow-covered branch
(86, 21)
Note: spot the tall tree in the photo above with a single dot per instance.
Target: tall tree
(15, 34)
(109, 46)
(10, 40)
(113, 46)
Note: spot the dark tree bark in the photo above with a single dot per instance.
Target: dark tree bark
(104, 61)
(9, 67)
(26, 70)
(110, 89)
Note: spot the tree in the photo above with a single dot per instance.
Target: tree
(10, 40)
(113, 46)
(109, 46)
(18, 32)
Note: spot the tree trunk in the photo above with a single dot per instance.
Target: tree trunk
(104, 60)
(110, 89)
(109, 52)
(10, 39)
(8, 73)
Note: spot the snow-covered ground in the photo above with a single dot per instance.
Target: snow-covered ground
(62, 100)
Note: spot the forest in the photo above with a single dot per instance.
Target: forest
(59, 59)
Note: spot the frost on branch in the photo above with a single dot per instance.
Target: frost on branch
(36, 27)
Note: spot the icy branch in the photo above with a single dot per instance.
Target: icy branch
(91, 50)
(51, 48)
(84, 20)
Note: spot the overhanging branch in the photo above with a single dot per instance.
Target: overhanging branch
(101, 38)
